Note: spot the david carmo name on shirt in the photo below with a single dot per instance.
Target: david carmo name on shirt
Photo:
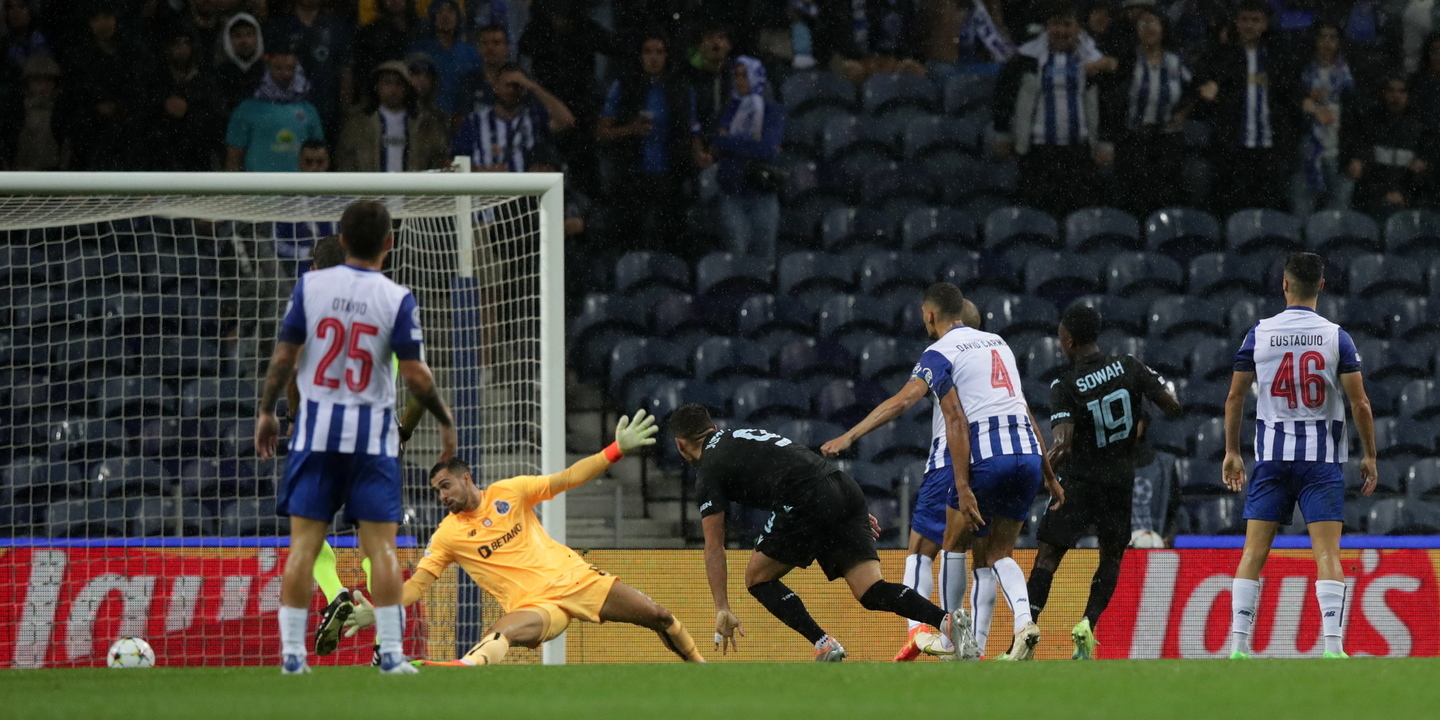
(1294, 340)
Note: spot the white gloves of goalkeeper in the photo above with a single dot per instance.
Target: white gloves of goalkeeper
(363, 617)
(637, 433)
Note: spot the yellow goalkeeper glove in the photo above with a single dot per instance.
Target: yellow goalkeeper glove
(632, 434)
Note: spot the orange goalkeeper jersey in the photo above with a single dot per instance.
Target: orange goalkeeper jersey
(502, 546)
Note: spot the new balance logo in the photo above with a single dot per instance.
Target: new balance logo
(1246, 613)
(1330, 613)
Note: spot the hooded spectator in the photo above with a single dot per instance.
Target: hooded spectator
(34, 131)
(322, 42)
(243, 67)
(382, 40)
(184, 120)
(425, 79)
(747, 143)
(396, 135)
(1328, 86)
(452, 55)
(266, 131)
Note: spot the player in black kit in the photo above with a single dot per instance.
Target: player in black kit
(1096, 422)
(818, 514)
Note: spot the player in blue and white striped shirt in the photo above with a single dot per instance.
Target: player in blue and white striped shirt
(984, 437)
(345, 444)
(1302, 361)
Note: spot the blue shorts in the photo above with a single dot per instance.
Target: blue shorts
(1004, 486)
(1276, 485)
(927, 518)
(317, 484)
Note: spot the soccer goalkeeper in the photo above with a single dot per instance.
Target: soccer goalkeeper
(542, 585)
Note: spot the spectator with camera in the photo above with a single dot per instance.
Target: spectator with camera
(503, 137)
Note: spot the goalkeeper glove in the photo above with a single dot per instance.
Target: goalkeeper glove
(637, 433)
(363, 617)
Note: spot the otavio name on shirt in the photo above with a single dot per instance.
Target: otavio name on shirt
(346, 305)
(1095, 379)
(1293, 340)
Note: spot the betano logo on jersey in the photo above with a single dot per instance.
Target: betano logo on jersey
(488, 549)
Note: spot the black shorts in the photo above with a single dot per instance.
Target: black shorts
(825, 521)
(1100, 503)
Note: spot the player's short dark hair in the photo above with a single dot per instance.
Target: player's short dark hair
(493, 27)
(947, 300)
(365, 225)
(327, 253)
(1082, 322)
(1306, 271)
(970, 312)
(690, 422)
(1060, 10)
(1258, 6)
(454, 465)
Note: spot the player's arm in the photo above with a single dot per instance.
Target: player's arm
(292, 397)
(1232, 470)
(411, 593)
(1354, 383)
(421, 383)
(1047, 471)
(957, 436)
(629, 435)
(414, 413)
(717, 572)
(1062, 422)
(883, 413)
(1160, 392)
(282, 367)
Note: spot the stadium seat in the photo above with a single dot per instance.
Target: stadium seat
(83, 519)
(637, 271)
(604, 321)
(891, 183)
(1337, 234)
(805, 359)
(1399, 516)
(888, 361)
(803, 133)
(847, 402)
(1102, 230)
(805, 91)
(134, 396)
(841, 229)
(889, 442)
(1384, 360)
(1015, 229)
(1117, 312)
(766, 315)
(1412, 438)
(28, 480)
(1209, 444)
(1178, 315)
(1212, 361)
(667, 395)
(722, 357)
(762, 401)
(727, 272)
(1060, 277)
(1169, 359)
(86, 439)
(1228, 276)
(1217, 515)
(154, 517)
(810, 272)
(1413, 232)
(1144, 276)
(128, 477)
(960, 177)
(968, 91)
(1183, 233)
(843, 314)
(1172, 436)
(962, 269)
(884, 134)
(1422, 480)
(889, 92)
(1383, 277)
(225, 397)
(1257, 229)
(683, 319)
(1413, 319)
(928, 134)
(1245, 312)
(639, 357)
(1356, 315)
(211, 479)
(810, 433)
(248, 517)
(890, 271)
(840, 137)
(936, 228)
(1419, 400)
(1011, 315)
(1044, 360)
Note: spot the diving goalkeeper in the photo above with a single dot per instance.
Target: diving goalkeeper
(542, 585)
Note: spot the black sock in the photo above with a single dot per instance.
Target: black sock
(901, 600)
(1102, 586)
(784, 604)
(1038, 588)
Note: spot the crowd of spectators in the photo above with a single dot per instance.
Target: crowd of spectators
(654, 106)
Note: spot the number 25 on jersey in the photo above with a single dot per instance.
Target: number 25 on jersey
(336, 332)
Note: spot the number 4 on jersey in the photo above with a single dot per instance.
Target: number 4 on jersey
(999, 376)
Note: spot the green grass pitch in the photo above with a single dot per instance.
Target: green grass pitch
(1270, 689)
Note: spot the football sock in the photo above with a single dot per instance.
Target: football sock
(918, 576)
(365, 565)
(982, 604)
(1243, 596)
(1012, 583)
(326, 574)
(953, 580)
(1038, 588)
(1331, 594)
(785, 605)
(678, 639)
(292, 630)
(489, 651)
(390, 628)
(1102, 585)
(894, 597)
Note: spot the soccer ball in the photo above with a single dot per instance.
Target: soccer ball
(1146, 540)
(130, 652)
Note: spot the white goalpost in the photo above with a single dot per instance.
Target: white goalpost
(137, 313)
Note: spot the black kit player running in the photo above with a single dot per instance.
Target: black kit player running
(1096, 421)
(818, 514)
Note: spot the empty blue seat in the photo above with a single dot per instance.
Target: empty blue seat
(213, 479)
(840, 229)
(799, 181)
(765, 314)
(1176, 315)
(807, 358)
(801, 272)
(1102, 229)
(218, 396)
(1170, 359)
(638, 357)
(839, 137)
(1010, 227)
(928, 134)
(1044, 359)
(960, 268)
(1262, 228)
(1245, 312)
(1172, 436)
(1215, 273)
(1412, 231)
(892, 442)
(129, 477)
(968, 91)
(888, 183)
(805, 91)
(804, 133)
(887, 92)
(1396, 516)
(810, 433)
(1059, 277)
(929, 228)
(1209, 444)
(1123, 345)
(1413, 319)
(1422, 479)
(1010, 315)
(884, 134)
(1419, 400)
(843, 314)
(847, 402)
(723, 357)
(154, 517)
(760, 401)
(84, 518)
(1342, 233)
(1183, 232)
(728, 272)
(889, 358)
(37, 480)
(960, 177)
(1218, 515)
(1381, 276)
(604, 321)
(639, 270)
(886, 272)
(1131, 274)
(1212, 361)
(678, 316)
(668, 395)
(1117, 312)
(248, 517)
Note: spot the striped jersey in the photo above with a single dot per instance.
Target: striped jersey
(1298, 358)
(1258, 131)
(982, 369)
(1060, 112)
(1156, 89)
(489, 139)
(351, 321)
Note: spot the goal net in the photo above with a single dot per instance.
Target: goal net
(137, 318)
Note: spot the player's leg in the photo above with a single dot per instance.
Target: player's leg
(524, 626)
(339, 607)
(628, 605)
(919, 577)
(875, 593)
(375, 502)
(982, 591)
(1009, 484)
(1011, 579)
(1269, 501)
(1042, 575)
(1059, 530)
(296, 589)
(1322, 502)
(762, 580)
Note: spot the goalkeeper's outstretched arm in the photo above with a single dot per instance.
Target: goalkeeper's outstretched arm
(629, 435)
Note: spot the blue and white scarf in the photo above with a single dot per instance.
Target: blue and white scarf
(1340, 81)
(979, 28)
(270, 91)
(745, 115)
